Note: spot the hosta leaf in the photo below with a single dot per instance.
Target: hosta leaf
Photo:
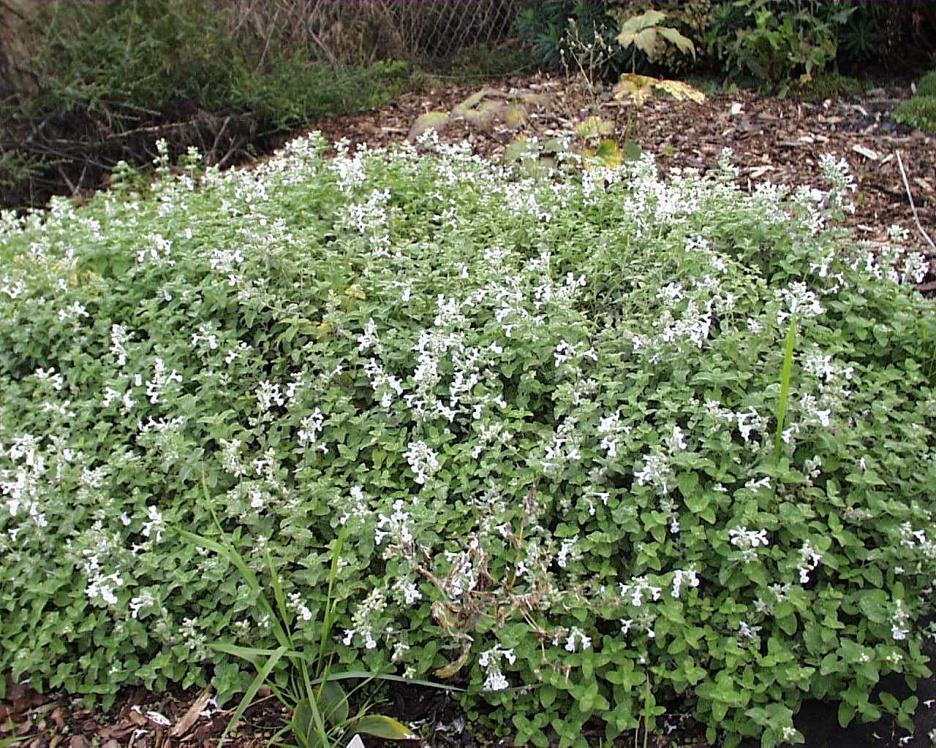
(333, 702)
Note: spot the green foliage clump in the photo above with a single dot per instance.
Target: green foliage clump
(830, 86)
(920, 110)
(771, 44)
(927, 85)
(622, 443)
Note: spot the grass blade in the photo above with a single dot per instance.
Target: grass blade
(251, 691)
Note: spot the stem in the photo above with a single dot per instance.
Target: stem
(916, 216)
(785, 377)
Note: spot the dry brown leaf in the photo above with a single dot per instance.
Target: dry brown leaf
(191, 716)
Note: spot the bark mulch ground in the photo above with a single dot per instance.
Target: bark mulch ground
(774, 139)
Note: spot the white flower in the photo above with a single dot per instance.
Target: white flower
(900, 622)
(677, 440)
(577, 640)
(298, 607)
(495, 681)
(490, 660)
(369, 339)
(423, 460)
(160, 380)
(748, 541)
(144, 600)
(309, 429)
(800, 302)
(268, 395)
(566, 550)
(682, 577)
(154, 527)
(655, 471)
(809, 560)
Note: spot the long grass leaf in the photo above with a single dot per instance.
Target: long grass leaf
(252, 690)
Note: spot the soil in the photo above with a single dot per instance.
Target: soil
(775, 140)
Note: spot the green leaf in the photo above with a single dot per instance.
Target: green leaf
(251, 691)
(333, 702)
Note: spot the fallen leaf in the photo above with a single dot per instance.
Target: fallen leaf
(191, 716)
(437, 121)
(866, 152)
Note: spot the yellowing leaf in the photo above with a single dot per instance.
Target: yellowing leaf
(635, 87)
(447, 671)
(382, 727)
(476, 98)
(679, 90)
(593, 127)
(640, 87)
(682, 43)
(356, 292)
(437, 121)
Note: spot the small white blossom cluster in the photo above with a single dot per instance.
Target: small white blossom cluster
(161, 379)
(684, 578)
(365, 620)
(656, 470)
(310, 428)
(810, 559)
(798, 301)
(423, 460)
(639, 589)
(576, 640)
(490, 660)
(900, 621)
(748, 541)
(841, 182)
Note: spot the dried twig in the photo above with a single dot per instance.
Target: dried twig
(916, 216)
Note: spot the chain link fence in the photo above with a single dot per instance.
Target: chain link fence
(362, 31)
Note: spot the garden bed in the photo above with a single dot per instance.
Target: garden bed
(580, 431)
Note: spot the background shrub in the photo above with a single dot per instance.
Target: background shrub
(105, 78)
(623, 444)
(770, 43)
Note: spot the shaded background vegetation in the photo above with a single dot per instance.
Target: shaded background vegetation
(87, 83)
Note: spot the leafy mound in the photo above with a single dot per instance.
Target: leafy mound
(927, 84)
(920, 112)
(543, 409)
